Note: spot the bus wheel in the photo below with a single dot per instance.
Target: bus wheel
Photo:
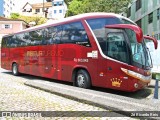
(83, 79)
(15, 69)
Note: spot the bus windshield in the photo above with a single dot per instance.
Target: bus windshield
(140, 54)
(114, 44)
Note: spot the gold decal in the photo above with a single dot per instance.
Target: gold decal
(116, 82)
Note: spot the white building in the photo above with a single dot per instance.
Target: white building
(58, 9)
(6, 7)
(37, 9)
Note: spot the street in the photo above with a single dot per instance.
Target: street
(15, 96)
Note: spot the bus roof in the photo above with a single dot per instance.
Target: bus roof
(74, 18)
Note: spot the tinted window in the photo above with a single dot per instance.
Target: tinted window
(36, 37)
(98, 26)
(116, 46)
(23, 39)
(14, 42)
(52, 35)
(4, 42)
(138, 4)
(150, 18)
(75, 33)
(102, 22)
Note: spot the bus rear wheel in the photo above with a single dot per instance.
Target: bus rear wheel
(83, 79)
(15, 69)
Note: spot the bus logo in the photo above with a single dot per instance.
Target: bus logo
(116, 82)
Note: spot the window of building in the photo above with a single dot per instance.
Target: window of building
(37, 10)
(139, 23)
(55, 4)
(55, 11)
(7, 26)
(60, 3)
(138, 4)
(150, 18)
(158, 13)
(60, 11)
(129, 12)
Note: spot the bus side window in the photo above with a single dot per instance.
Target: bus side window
(22, 40)
(52, 35)
(75, 33)
(12, 41)
(36, 37)
(116, 46)
(67, 33)
(4, 42)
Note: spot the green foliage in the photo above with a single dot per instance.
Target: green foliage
(15, 15)
(86, 6)
(37, 19)
(68, 1)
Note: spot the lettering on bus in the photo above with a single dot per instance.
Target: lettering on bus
(44, 53)
(80, 60)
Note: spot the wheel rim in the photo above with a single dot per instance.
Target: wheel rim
(81, 80)
(14, 69)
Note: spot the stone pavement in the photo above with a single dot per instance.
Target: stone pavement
(15, 96)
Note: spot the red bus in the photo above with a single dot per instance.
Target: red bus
(94, 49)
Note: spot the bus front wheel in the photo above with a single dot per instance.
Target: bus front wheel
(15, 69)
(83, 79)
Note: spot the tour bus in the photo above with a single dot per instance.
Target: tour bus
(93, 49)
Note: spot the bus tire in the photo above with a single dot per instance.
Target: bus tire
(15, 69)
(83, 79)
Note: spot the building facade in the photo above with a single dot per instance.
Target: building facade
(55, 9)
(9, 26)
(146, 13)
(6, 7)
(58, 10)
(38, 9)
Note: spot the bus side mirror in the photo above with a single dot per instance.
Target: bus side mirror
(136, 29)
(152, 39)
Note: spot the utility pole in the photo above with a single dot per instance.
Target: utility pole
(43, 7)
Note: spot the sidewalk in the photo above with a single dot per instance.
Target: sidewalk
(107, 100)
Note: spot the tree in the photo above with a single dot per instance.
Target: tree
(37, 19)
(85, 6)
(15, 15)
(75, 8)
(68, 1)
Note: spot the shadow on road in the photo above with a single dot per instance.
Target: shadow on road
(141, 94)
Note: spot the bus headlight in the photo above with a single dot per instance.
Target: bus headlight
(136, 75)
